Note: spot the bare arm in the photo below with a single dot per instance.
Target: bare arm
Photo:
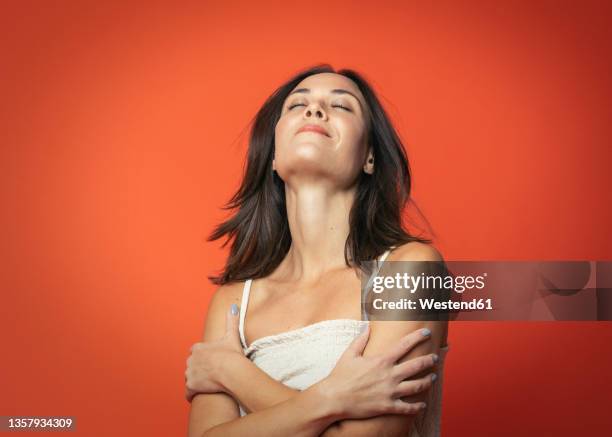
(358, 387)
(384, 335)
(209, 410)
(306, 414)
(256, 390)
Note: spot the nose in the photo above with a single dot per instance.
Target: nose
(314, 109)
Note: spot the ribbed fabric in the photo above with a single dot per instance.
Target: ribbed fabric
(302, 357)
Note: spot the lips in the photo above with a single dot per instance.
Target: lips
(313, 128)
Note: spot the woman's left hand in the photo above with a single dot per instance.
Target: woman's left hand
(207, 361)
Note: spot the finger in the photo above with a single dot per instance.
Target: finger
(414, 366)
(401, 407)
(232, 320)
(408, 342)
(358, 344)
(413, 387)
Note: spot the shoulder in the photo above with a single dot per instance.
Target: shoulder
(415, 251)
(228, 294)
(395, 324)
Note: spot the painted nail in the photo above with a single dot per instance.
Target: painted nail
(234, 309)
(435, 358)
(426, 332)
(423, 405)
(433, 377)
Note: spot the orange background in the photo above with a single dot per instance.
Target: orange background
(123, 133)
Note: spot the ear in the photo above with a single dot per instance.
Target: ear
(368, 167)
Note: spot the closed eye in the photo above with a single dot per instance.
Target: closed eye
(333, 106)
(343, 107)
(295, 104)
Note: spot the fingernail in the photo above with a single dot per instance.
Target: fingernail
(433, 377)
(435, 358)
(426, 332)
(234, 309)
(423, 406)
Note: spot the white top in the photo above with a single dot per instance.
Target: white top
(302, 357)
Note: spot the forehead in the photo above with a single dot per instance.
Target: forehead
(325, 82)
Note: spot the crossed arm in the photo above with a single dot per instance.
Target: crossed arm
(305, 413)
(257, 391)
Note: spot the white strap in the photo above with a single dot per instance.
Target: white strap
(379, 264)
(384, 256)
(243, 307)
(381, 260)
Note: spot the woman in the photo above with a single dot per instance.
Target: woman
(325, 184)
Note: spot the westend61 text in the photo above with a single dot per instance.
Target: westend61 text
(432, 304)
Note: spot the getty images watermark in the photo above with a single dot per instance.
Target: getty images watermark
(488, 290)
(411, 284)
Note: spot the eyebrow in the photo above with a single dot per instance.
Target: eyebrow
(334, 91)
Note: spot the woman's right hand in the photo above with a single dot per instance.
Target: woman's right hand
(207, 362)
(365, 387)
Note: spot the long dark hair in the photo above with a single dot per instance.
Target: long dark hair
(260, 229)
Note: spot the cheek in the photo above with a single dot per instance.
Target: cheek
(282, 130)
(352, 133)
(278, 136)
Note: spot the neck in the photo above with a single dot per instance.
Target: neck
(319, 224)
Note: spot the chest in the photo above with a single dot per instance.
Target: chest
(302, 358)
(276, 308)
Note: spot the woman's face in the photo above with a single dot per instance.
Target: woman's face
(333, 104)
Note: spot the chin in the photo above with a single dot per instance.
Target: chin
(304, 153)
